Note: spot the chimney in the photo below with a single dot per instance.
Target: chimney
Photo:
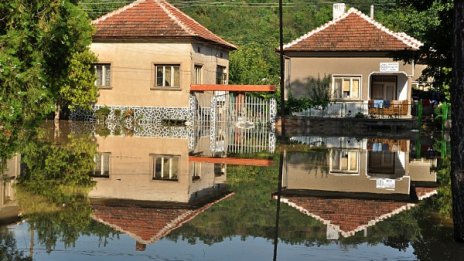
(372, 11)
(140, 246)
(338, 10)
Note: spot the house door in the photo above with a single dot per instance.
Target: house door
(383, 88)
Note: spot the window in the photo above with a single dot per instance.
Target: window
(102, 165)
(344, 161)
(195, 170)
(167, 76)
(165, 167)
(197, 79)
(347, 87)
(103, 73)
(221, 75)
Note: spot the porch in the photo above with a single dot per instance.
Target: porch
(372, 109)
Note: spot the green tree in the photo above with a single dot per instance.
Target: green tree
(44, 59)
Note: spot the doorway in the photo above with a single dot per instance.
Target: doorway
(384, 87)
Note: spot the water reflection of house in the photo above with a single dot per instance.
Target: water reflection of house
(351, 184)
(9, 209)
(148, 186)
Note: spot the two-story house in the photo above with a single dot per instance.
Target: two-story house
(150, 53)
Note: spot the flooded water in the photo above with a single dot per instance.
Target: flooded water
(185, 193)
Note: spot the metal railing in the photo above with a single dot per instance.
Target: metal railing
(360, 109)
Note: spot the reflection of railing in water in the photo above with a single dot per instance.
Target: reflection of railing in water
(250, 141)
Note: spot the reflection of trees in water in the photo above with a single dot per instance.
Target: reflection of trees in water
(8, 248)
(52, 190)
(315, 161)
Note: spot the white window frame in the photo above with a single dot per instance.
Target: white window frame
(339, 96)
(172, 76)
(348, 171)
(171, 176)
(104, 82)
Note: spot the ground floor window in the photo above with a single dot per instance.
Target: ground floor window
(165, 167)
(347, 87)
(167, 75)
(103, 74)
(221, 75)
(344, 161)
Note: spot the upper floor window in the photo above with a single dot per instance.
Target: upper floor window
(221, 75)
(197, 74)
(165, 167)
(347, 87)
(167, 75)
(103, 73)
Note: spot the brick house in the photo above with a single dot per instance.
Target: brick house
(359, 55)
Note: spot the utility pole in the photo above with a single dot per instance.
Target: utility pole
(457, 128)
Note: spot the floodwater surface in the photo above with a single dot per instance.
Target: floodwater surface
(184, 193)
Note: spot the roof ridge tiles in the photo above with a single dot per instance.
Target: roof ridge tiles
(175, 18)
(403, 37)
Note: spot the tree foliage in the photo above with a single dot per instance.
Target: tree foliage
(41, 44)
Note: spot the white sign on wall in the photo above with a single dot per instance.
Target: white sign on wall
(389, 67)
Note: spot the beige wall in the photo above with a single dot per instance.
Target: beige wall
(131, 172)
(133, 72)
(300, 68)
(307, 176)
(8, 205)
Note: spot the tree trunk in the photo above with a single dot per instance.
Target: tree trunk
(457, 128)
(57, 121)
(57, 112)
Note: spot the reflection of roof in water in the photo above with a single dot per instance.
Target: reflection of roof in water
(351, 215)
(147, 224)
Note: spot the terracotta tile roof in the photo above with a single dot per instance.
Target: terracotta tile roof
(149, 20)
(353, 31)
(146, 224)
(350, 215)
(424, 192)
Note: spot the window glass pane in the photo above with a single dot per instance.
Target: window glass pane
(353, 156)
(174, 167)
(346, 88)
(167, 76)
(176, 76)
(344, 161)
(220, 71)
(335, 160)
(158, 167)
(159, 76)
(338, 88)
(99, 72)
(355, 88)
(107, 75)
